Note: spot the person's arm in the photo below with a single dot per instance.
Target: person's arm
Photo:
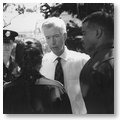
(100, 90)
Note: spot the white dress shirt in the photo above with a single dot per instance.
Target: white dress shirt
(72, 63)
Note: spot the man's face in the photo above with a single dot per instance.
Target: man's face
(89, 37)
(55, 40)
(7, 48)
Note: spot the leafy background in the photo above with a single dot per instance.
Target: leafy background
(71, 13)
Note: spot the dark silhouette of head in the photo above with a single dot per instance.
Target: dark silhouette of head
(29, 54)
(103, 20)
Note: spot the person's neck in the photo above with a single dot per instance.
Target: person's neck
(61, 52)
(104, 40)
(104, 43)
(101, 47)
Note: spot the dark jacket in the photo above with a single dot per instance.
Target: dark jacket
(44, 97)
(97, 81)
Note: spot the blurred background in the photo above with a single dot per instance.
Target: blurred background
(26, 19)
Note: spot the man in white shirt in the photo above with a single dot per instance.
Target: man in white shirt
(54, 30)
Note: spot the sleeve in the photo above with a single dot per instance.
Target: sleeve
(61, 102)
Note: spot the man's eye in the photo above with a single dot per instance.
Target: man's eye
(83, 33)
(47, 37)
(56, 35)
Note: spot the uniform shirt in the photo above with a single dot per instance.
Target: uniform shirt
(72, 63)
(97, 81)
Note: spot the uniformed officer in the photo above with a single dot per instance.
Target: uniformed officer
(8, 59)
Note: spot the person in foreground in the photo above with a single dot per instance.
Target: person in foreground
(97, 76)
(62, 64)
(31, 92)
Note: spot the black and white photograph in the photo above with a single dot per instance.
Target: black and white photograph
(58, 58)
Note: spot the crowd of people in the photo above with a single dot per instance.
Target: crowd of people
(61, 81)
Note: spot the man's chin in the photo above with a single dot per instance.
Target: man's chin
(89, 51)
(55, 49)
(86, 50)
(58, 53)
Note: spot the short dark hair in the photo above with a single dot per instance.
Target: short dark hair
(102, 19)
(29, 54)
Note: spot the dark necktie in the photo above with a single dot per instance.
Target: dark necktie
(59, 71)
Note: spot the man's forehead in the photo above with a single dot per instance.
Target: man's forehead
(8, 43)
(84, 26)
(52, 31)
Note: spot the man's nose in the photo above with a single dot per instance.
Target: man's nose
(82, 38)
(53, 40)
(82, 41)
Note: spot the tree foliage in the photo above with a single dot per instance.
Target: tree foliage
(81, 10)
(78, 10)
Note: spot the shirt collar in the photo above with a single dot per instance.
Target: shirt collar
(63, 56)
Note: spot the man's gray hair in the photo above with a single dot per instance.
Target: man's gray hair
(54, 22)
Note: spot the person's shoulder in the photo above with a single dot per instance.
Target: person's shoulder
(8, 85)
(49, 82)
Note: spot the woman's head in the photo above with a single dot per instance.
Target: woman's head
(29, 54)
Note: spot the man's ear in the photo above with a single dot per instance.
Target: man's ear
(65, 36)
(99, 32)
